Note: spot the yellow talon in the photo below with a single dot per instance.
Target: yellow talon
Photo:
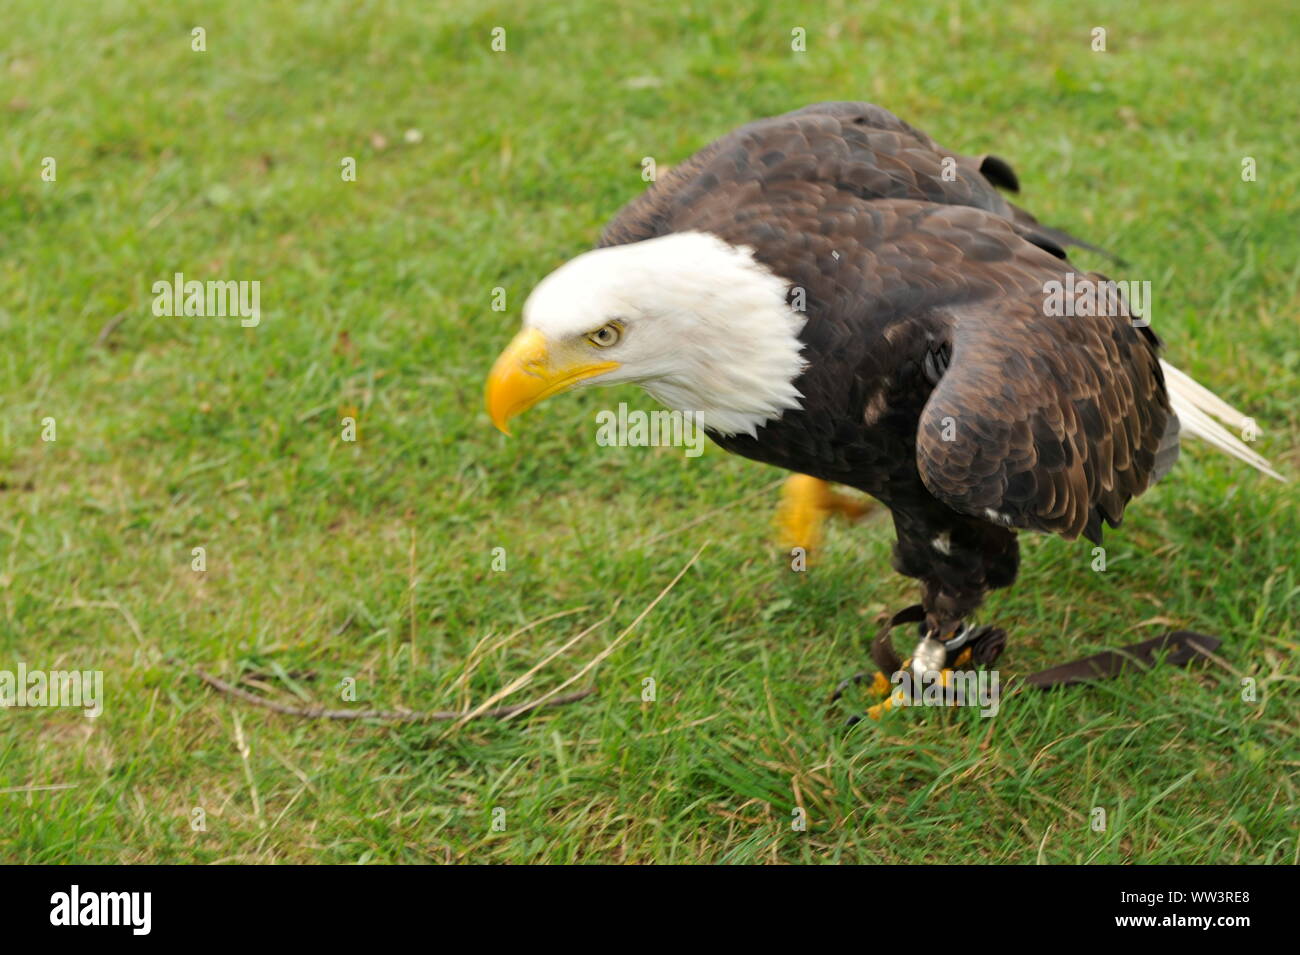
(876, 711)
(881, 686)
(806, 502)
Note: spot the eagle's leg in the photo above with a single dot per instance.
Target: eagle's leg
(887, 662)
(967, 646)
(806, 503)
(958, 560)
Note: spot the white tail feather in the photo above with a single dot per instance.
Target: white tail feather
(1197, 407)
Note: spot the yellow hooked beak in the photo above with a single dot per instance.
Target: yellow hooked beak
(527, 372)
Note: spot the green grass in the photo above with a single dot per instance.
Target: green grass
(372, 560)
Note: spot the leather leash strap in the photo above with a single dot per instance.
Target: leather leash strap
(883, 653)
(1179, 648)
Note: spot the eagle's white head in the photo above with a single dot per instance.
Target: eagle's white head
(695, 321)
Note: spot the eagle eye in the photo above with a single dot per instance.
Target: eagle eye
(606, 335)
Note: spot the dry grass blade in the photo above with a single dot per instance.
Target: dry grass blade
(595, 661)
(483, 710)
(388, 716)
(520, 681)
(485, 646)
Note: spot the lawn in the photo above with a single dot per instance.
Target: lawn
(372, 564)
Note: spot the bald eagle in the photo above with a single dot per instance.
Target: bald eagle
(836, 294)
